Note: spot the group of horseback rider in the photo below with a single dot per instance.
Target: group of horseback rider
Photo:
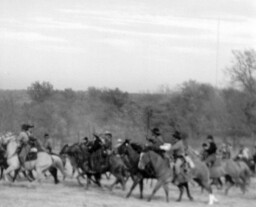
(177, 151)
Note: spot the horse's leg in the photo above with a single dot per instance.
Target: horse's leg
(54, 173)
(97, 179)
(205, 184)
(220, 184)
(114, 183)
(156, 188)
(180, 186)
(16, 172)
(166, 190)
(58, 164)
(88, 183)
(229, 182)
(107, 176)
(239, 181)
(8, 171)
(2, 171)
(188, 191)
(151, 183)
(120, 179)
(141, 184)
(73, 172)
(135, 183)
(39, 174)
(30, 174)
(30, 177)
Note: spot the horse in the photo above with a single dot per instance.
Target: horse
(130, 153)
(95, 163)
(163, 172)
(234, 172)
(199, 173)
(42, 163)
(3, 161)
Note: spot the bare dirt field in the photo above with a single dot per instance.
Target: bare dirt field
(70, 194)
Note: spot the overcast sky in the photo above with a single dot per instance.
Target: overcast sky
(135, 45)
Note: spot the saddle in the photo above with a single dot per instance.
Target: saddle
(32, 155)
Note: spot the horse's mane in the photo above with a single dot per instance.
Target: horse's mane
(63, 150)
(137, 147)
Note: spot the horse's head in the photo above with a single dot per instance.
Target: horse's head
(144, 160)
(64, 149)
(122, 148)
(8, 137)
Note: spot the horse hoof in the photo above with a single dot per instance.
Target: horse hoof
(191, 198)
(178, 200)
(149, 199)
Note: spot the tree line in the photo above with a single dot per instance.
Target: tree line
(197, 109)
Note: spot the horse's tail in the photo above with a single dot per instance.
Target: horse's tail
(58, 164)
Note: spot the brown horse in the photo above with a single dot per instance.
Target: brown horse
(163, 172)
(198, 173)
(235, 173)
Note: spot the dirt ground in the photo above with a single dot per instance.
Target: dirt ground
(69, 194)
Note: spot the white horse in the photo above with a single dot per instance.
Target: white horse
(43, 162)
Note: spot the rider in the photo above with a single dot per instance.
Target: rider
(204, 152)
(118, 144)
(97, 143)
(85, 141)
(226, 150)
(48, 143)
(22, 140)
(108, 140)
(177, 151)
(244, 152)
(229, 150)
(156, 139)
(211, 151)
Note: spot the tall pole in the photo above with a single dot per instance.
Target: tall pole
(217, 52)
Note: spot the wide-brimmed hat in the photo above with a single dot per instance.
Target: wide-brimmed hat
(108, 133)
(204, 145)
(26, 126)
(176, 135)
(156, 131)
(46, 135)
(210, 137)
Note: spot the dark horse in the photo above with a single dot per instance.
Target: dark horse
(94, 163)
(3, 161)
(130, 153)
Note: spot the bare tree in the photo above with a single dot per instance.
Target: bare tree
(242, 71)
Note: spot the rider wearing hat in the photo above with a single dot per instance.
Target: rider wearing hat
(204, 152)
(48, 143)
(22, 140)
(211, 151)
(156, 139)
(85, 141)
(178, 150)
(108, 140)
